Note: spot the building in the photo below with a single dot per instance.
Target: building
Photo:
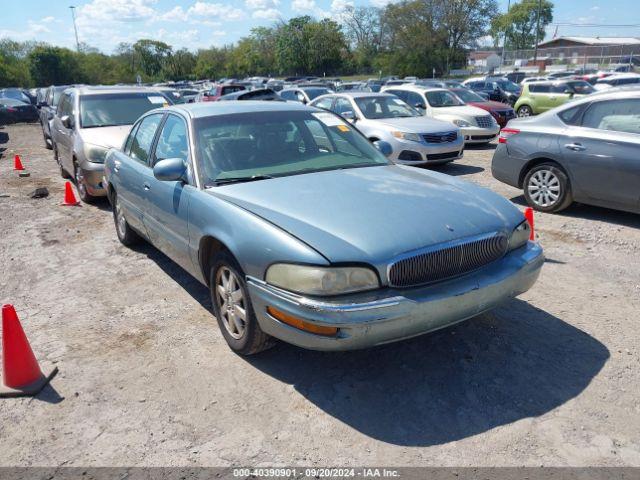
(590, 42)
(484, 61)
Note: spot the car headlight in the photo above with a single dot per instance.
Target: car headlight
(95, 153)
(313, 280)
(414, 137)
(461, 123)
(520, 236)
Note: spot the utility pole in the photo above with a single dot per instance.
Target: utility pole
(75, 28)
(535, 52)
(504, 41)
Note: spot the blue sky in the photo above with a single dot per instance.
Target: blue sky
(201, 23)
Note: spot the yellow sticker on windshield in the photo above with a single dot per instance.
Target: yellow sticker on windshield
(342, 128)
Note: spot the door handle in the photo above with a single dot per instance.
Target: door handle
(146, 186)
(576, 147)
(116, 166)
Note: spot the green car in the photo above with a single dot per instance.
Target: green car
(538, 97)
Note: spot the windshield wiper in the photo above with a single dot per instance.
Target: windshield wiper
(253, 178)
(105, 125)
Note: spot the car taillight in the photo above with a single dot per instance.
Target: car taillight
(505, 133)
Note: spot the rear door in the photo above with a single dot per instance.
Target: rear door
(135, 169)
(602, 153)
(63, 135)
(557, 95)
(166, 211)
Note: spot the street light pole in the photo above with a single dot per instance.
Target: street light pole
(75, 28)
(504, 40)
(535, 52)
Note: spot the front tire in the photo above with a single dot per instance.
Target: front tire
(547, 188)
(127, 236)
(232, 307)
(525, 111)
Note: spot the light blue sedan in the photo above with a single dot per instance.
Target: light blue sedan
(304, 231)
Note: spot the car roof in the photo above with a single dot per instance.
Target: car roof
(107, 89)
(212, 109)
(356, 94)
(419, 88)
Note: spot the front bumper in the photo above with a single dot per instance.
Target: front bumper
(92, 177)
(388, 315)
(479, 135)
(422, 153)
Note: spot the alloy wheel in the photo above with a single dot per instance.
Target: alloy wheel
(231, 302)
(524, 112)
(544, 188)
(121, 222)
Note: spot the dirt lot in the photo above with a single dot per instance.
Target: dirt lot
(146, 377)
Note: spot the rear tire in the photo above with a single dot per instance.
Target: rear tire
(525, 111)
(233, 309)
(127, 236)
(547, 188)
(47, 142)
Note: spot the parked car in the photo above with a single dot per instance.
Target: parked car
(374, 84)
(356, 86)
(584, 151)
(217, 91)
(14, 111)
(303, 231)
(498, 90)
(16, 94)
(414, 138)
(538, 97)
(258, 94)
(303, 94)
(47, 111)
(89, 121)
(476, 124)
(533, 79)
(275, 85)
(617, 80)
(501, 112)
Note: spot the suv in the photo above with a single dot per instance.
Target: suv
(217, 91)
(48, 106)
(538, 97)
(91, 120)
(497, 89)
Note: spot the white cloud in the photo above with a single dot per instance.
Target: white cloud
(338, 6)
(267, 14)
(382, 3)
(224, 12)
(261, 4)
(100, 12)
(304, 6)
(47, 19)
(595, 8)
(176, 14)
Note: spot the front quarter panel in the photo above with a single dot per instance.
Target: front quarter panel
(254, 242)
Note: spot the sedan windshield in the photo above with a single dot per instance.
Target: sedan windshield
(254, 146)
(467, 95)
(106, 110)
(384, 107)
(443, 98)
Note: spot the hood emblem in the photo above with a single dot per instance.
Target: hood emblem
(449, 227)
(444, 139)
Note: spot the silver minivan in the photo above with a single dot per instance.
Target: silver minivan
(91, 120)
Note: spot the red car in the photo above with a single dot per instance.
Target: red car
(500, 111)
(217, 91)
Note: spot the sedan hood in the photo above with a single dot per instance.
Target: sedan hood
(108, 137)
(491, 105)
(463, 111)
(420, 124)
(372, 214)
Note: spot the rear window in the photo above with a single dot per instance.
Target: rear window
(232, 89)
(106, 110)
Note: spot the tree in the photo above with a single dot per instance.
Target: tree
(151, 56)
(54, 66)
(363, 28)
(518, 25)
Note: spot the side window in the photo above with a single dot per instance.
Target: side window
(615, 115)
(401, 94)
(143, 139)
(342, 105)
(62, 106)
(173, 141)
(325, 103)
(288, 95)
(132, 134)
(560, 88)
(414, 99)
(571, 116)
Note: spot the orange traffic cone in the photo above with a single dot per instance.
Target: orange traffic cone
(70, 199)
(20, 370)
(17, 163)
(528, 214)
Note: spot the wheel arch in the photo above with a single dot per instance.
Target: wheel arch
(538, 161)
(208, 247)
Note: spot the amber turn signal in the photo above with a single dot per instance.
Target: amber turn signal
(301, 324)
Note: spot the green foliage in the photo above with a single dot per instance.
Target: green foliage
(53, 66)
(518, 25)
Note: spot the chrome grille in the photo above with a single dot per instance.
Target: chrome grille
(484, 121)
(447, 260)
(441, 137)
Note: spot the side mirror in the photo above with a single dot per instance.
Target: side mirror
(66, 121)
(170, 170)
(42, 104)
(349, 115)
(568, 92)
(421, 106)
(383, 147)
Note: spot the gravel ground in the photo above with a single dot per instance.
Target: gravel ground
(146, 378)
